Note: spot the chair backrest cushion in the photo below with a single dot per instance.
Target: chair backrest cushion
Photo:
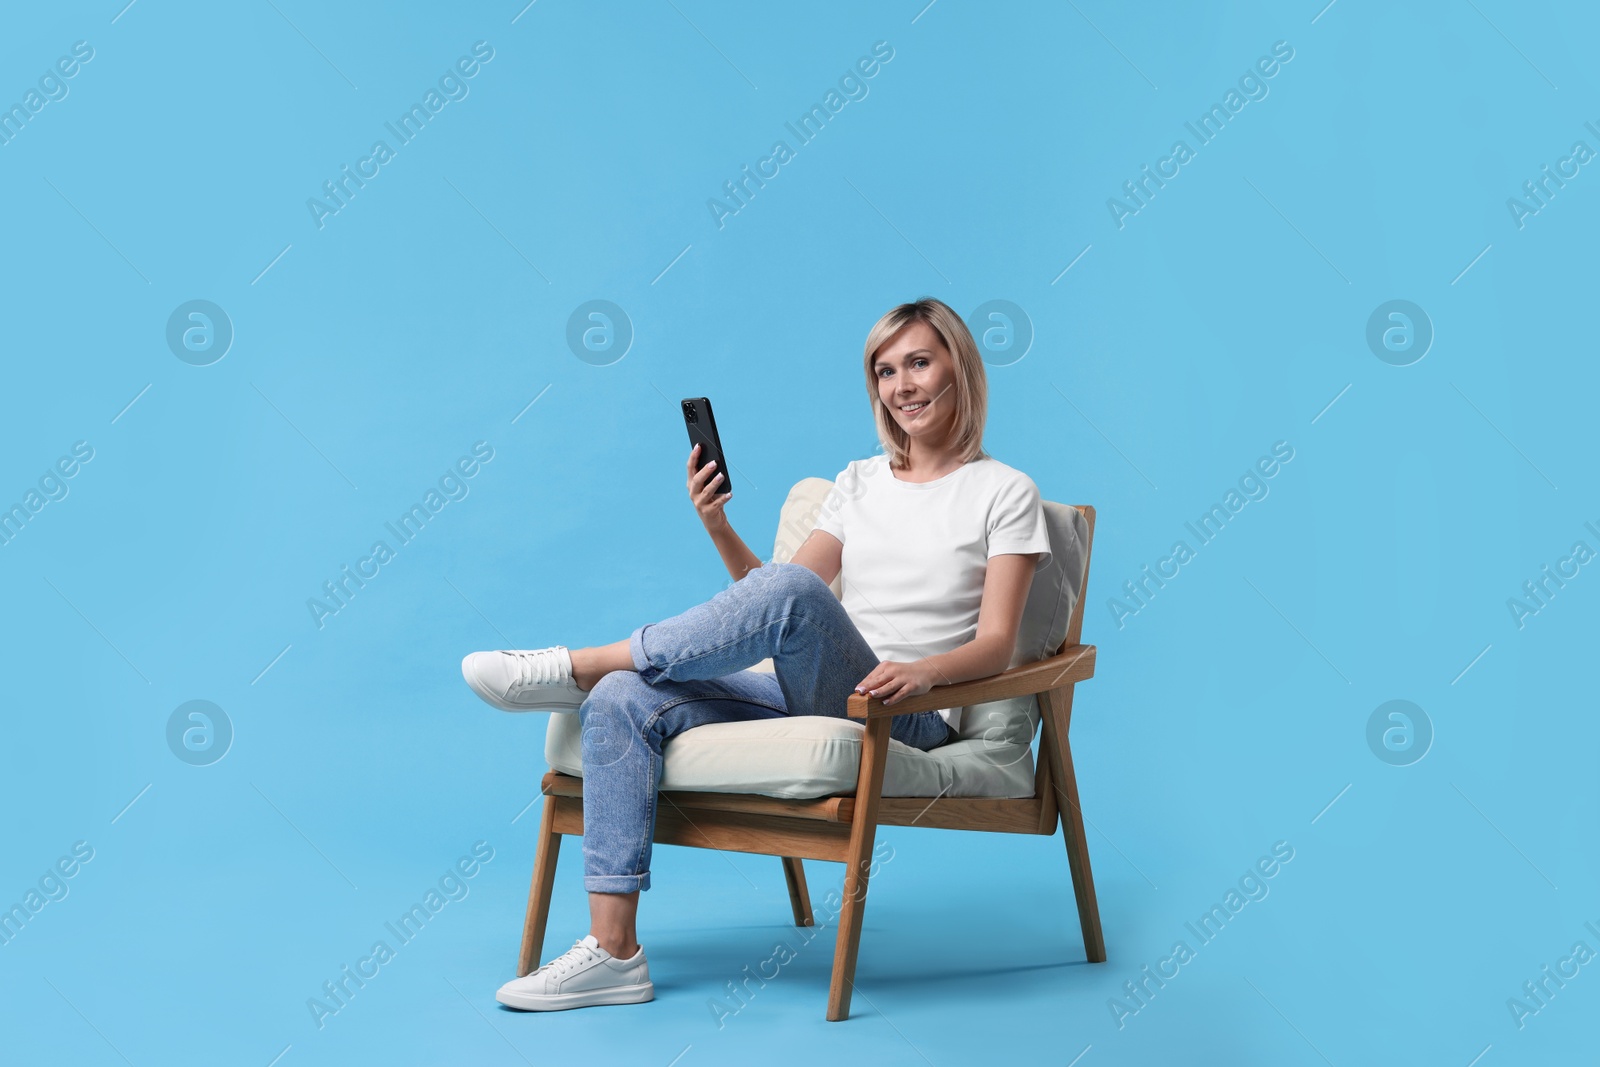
(1051, 599)
(798, 518)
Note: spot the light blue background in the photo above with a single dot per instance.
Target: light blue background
(1227, 315)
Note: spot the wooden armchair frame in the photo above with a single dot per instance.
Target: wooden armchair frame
(842, 827)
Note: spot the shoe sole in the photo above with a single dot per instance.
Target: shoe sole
(628, 994)
(567, 699)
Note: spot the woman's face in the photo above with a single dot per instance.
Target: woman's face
(914, 367)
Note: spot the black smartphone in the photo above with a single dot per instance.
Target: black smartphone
(702, 426)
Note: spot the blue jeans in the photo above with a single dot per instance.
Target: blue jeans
(691, 671)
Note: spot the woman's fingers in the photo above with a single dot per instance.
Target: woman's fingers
(876, 684)
(704, 475)
(705, 490)
(703, 482)
(905, 689)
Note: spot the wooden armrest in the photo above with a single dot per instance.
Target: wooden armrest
(1072, 664)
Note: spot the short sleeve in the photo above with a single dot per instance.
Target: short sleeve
(1016, 521)
(846, 487)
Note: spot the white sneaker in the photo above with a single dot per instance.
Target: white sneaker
(514, 680)
(584, 975)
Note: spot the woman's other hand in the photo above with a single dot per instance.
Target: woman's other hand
(892, 682)
(703, 483)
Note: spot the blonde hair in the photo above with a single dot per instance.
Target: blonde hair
(971, 382)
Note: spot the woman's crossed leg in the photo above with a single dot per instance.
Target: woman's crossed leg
(671, 676)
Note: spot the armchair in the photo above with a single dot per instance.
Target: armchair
(818, 787)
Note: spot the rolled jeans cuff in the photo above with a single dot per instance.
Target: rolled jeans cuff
(641, 662)
(616, 883)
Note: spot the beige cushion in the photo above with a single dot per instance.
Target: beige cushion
(805, 756)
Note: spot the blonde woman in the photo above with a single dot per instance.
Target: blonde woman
(937, 542)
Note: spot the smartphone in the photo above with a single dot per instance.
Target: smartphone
(702, 425)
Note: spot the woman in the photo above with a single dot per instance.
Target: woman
(938, 542)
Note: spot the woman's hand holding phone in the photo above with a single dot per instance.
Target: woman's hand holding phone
(708, 500)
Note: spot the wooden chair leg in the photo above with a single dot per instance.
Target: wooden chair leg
(544, 877)
(1056, 706)
(863, 828)
(799, 898)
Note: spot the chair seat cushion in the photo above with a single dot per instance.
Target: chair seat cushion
(808, 756)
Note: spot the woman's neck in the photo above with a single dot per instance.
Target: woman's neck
(926, 465)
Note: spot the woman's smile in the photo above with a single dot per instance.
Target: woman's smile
(915, 372)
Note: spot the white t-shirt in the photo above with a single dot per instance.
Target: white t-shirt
(915, 554)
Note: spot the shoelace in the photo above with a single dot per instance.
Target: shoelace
(574, 957)
(536, 668)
